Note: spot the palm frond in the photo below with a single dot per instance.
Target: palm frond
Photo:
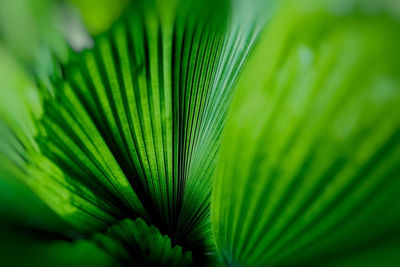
(310, 161)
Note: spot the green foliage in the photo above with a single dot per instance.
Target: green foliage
(120, 143)
(129, 125)
(311, 148)
(21, 247)
(135, 242)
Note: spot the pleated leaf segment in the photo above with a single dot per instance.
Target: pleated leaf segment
(309, 165)
(135, 242)
(131, 127)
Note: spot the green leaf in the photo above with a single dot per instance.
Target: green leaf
(131, 127)
(309, 165)
(136, 242)
(20, 247)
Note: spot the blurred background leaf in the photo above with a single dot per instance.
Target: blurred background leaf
(309, 167)
(32, 33)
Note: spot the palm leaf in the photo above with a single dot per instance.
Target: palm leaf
(311, 148)
(136, 242)
(122, 140)
(131, 127)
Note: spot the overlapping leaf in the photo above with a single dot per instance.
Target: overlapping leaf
(131, 128)
(309, 167)
(136, 242)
